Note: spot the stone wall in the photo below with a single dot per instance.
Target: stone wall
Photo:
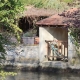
(22, 55)
(32, 57)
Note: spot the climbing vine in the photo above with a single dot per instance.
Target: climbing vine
(74, 32)
(9, 15)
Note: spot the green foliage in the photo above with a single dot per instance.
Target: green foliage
(55, 4)
(9, 10)
(74, 33)
(4, 74)
(48, 3)
(9, 16)
(2, 50)
(30, 33)
(68, 1)
(38, 4)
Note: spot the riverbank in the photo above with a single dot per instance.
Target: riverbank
(54, 67)
(27, 58)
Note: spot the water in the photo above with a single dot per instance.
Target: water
(42, 76)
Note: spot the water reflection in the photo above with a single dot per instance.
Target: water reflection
(42, 76)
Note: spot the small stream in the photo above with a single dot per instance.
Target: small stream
(42, 76)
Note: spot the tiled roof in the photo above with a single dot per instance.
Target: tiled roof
(54, 20)
(68, 18)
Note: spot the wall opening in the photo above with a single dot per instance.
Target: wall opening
(57, 36)
(57, 48)
(29, 28)
(28, 22)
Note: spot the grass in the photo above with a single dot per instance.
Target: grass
(36, 3)
(54, 4)
(43, 3)
(68, 1)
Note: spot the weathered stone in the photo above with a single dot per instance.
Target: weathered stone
(22, 54)
(28, 58)
(54, 64)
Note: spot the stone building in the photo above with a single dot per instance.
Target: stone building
(55, 30)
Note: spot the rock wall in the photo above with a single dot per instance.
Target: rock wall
(28, 58)
(22, 55)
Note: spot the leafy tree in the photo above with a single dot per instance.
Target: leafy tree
(9, 12)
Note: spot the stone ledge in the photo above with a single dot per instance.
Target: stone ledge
(56, 67)
(54, 64)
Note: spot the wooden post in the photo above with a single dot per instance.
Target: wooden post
(62, 48)
(66, 49)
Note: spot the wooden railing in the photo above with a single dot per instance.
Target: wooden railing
(62, 49)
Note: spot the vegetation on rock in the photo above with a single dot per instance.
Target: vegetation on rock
(9, 13)
(4, 74)
(74, 32)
